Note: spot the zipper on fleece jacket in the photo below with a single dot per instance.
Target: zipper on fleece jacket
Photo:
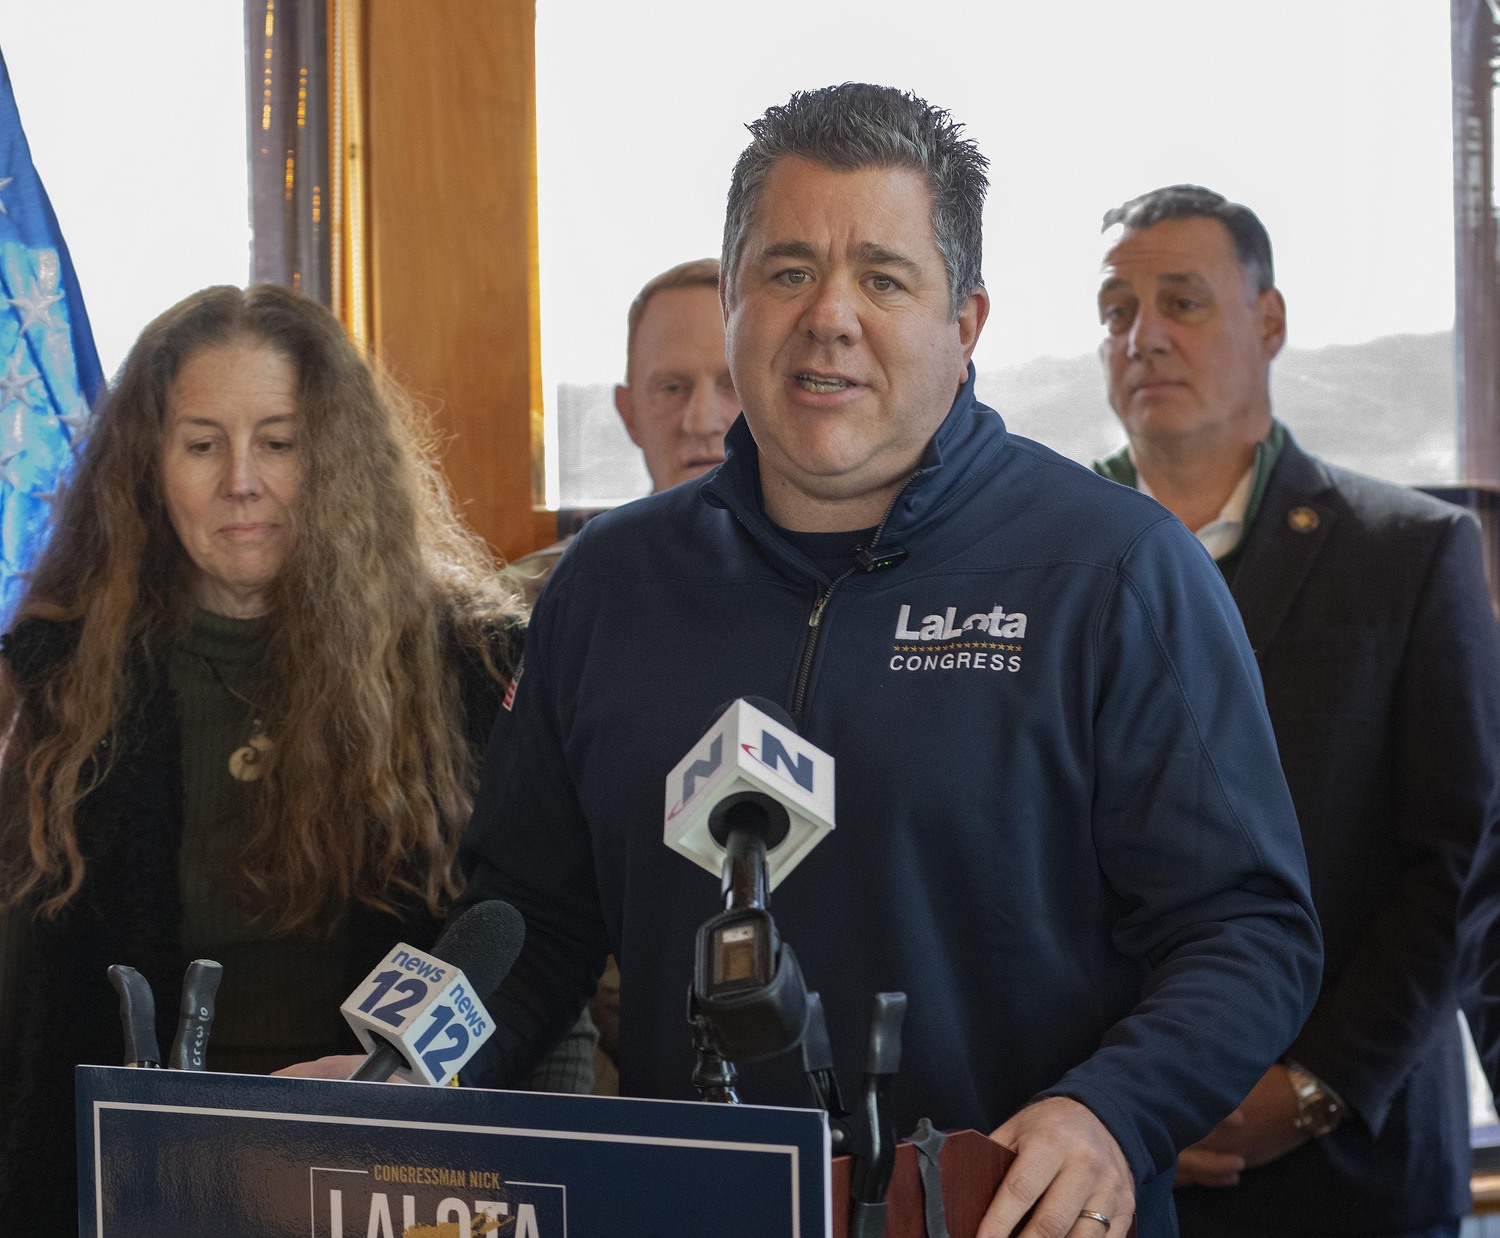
(820, 603)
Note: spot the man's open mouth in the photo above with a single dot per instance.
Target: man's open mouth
(822, 384)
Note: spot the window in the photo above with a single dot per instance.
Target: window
(136, 120)
(1333, 121)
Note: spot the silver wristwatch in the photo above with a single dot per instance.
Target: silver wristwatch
(1319, 1108)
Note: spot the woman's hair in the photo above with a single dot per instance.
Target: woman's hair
(370, 776)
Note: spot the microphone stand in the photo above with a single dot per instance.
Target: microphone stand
(748, 1000)
(713, 1075)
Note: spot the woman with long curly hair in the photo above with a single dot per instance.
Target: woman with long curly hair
(242, 703)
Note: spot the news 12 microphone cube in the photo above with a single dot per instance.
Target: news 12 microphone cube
(423, 1007)
(748, 750)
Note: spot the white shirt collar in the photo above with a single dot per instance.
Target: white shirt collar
(1221, 534)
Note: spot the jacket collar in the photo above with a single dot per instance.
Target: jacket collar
(1296, 516)
(959, 454)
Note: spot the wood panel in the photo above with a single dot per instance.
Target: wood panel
(452, 213)
(972, 1168)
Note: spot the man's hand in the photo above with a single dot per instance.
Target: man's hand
(1199, 1166)
(1261, 1130)
(1066, 1163)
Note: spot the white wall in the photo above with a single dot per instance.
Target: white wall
(136, 117)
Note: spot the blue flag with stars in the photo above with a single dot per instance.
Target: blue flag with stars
(49, 368)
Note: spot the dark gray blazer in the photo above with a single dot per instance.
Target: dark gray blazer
(1366, 605)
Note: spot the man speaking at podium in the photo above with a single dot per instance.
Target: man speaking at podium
(1062, 828)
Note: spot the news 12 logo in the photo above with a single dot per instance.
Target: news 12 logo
(424, 1007)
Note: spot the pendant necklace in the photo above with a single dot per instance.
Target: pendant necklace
(247, 763)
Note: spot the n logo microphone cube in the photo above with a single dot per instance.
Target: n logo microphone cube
(746, 750)
(423, 1007)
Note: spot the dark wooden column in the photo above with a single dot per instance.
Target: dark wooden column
(286, 49)
(393, 178)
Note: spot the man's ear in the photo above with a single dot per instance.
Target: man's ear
(971, 320)
(1270, 311)
(625, 406)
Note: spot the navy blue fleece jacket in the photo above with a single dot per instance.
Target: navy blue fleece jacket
(1063, 828)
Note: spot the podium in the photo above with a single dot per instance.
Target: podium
(239, 1156)
(246, 1156)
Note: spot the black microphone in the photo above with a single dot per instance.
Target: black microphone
(196, 1015)
(137, 1016)
(755, 797)
(873, 1166)
(817, 1065)
(772, 709)
(483, 941)
(746, 825)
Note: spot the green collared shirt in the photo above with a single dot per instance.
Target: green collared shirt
(1120, 468)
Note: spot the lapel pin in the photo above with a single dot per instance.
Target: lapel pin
(1302, 520)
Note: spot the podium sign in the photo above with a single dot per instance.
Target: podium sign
(241, 1156)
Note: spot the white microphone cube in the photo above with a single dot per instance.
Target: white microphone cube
(423, 1006)
(747, 750)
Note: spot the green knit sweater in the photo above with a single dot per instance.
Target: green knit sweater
(273, 1005)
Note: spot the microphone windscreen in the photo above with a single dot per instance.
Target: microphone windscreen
(766, 706)
(137, 1015)
(483, 942)
(772, 710)
(752, 747)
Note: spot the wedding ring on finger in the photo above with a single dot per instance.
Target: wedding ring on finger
(1088, 1214)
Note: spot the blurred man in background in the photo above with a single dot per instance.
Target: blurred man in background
(1366, 605)
(677, 399)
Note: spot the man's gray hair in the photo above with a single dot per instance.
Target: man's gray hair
(1252, 244)
(856, 126)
